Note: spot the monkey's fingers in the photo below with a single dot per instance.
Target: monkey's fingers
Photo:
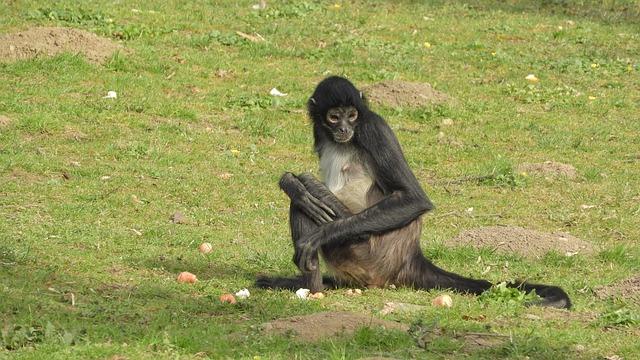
(322, 205)
(316, 213)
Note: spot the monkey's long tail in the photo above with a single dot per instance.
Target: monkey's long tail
(428, 276)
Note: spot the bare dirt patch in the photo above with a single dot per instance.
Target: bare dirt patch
(549, 168)
(626, 289)
(559, 315)
(51, 41)
(466, 341)
(528, 243)
(399, 94)
(4, 121)
(319, 326)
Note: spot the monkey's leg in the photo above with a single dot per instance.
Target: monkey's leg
(300, 225)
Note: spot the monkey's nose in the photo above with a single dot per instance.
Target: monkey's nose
(343, 130)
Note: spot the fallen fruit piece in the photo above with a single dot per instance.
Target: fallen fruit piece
(243, 294)
(532, 78)
(227, 298)
(442, 301)
(317, 295)
(205, 248)
(187, 277)
(302, 293)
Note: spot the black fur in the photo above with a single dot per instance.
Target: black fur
(320, 221)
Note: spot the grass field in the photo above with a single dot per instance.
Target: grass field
(89, 257)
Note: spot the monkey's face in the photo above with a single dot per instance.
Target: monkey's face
(341, 122)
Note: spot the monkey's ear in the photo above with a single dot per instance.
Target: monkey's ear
(313, 100)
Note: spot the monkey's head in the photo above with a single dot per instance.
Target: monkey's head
(336, 107)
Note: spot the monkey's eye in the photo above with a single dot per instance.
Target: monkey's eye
(333, 118)
(353, 116)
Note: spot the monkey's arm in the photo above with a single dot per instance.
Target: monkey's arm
(317, 210)
(405, 200)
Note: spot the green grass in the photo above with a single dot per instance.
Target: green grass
(178, 126)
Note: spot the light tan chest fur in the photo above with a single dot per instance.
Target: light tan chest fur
(344, 172)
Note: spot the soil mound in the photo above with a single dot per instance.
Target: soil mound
(319, 326)
(50, 41)
(549, 168)
(528, 243)
(399, 94)
(626, 289)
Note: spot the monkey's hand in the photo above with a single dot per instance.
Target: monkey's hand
(306, 248)
(314, 208)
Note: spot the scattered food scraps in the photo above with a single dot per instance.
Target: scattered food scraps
(227, 298)
(187, 278)
(260, 6)
(442, 301)
(302, 293)
(276, 92)
(243, 294)
(532, 78)
(205, 248)
(111, 95)
(317, 295)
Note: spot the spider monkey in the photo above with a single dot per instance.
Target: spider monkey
(365, 217)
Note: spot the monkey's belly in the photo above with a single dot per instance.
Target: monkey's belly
(377, 262)
(380, 260)
(354, 194)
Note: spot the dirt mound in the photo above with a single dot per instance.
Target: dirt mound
(626, 289)
(50, 41)
(528, 243)
(549, 168)
(319, 326)
(399, 93)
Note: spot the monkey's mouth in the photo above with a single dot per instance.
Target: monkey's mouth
(343, 137)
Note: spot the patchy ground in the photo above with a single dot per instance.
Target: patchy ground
(463, 341)
(526, 242)
(51, 41)
(4, 121)
(319, 326)
(626, 289)
(399, 94)
(549, 169)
